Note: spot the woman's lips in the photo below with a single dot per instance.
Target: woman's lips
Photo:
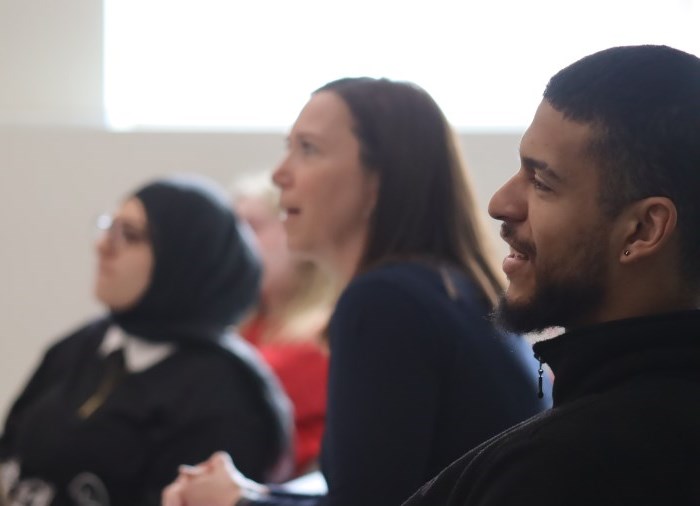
(289, 214)
(293, 211)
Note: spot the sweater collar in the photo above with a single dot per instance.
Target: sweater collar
(596, 358)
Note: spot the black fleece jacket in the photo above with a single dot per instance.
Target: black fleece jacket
(624, 429)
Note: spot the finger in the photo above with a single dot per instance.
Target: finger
(171, 495)
(221, 462)
(191, 471)
(221, 459)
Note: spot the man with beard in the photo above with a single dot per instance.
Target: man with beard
(603, 221)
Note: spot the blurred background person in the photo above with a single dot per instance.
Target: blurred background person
(288, 323)
(159, 379)
(373, 188)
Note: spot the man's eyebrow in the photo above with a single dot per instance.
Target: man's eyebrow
(542, 167)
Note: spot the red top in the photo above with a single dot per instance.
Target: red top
(302, 368)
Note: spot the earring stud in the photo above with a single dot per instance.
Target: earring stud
(627, 252)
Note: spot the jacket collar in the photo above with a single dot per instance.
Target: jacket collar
(597, 358)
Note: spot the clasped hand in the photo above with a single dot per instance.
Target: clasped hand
(215, 482)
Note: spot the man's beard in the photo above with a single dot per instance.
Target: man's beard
(559, 301)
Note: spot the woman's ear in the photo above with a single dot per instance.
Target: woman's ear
(648, 227)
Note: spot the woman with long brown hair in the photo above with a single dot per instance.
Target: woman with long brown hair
(373, 187)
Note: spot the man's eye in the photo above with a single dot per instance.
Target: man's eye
(539, 185)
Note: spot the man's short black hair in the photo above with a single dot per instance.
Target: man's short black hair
(643, 103)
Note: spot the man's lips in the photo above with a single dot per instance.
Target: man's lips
(514, 261)
(518, 248)
(518, 255)
(521, 252)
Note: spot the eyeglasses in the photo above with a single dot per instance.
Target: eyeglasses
(119, 233)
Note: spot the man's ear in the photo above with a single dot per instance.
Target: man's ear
(647, 227)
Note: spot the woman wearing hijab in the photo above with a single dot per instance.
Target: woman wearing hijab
(160, 379)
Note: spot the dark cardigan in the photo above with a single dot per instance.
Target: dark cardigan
(418, 376)
(201, 399)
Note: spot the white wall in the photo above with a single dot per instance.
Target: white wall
(59, 169)
(51, 62)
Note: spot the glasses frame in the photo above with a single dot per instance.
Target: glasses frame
(120, 234)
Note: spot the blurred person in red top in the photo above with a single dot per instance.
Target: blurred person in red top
(288, 324)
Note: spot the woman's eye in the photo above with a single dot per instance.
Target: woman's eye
(133, 236)
(307, 147)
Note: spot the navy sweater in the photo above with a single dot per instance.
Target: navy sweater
(418, 376)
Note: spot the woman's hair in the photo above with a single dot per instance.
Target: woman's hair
(314, 290)
(425, 208)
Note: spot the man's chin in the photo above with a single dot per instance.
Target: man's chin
(523, 316)
(551, 306)
(517, 316)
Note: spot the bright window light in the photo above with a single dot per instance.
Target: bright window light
(250, 65)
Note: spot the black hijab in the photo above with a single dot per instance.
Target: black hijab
(206, 270)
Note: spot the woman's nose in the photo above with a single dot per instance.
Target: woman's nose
(102, 244)
(281, 177)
